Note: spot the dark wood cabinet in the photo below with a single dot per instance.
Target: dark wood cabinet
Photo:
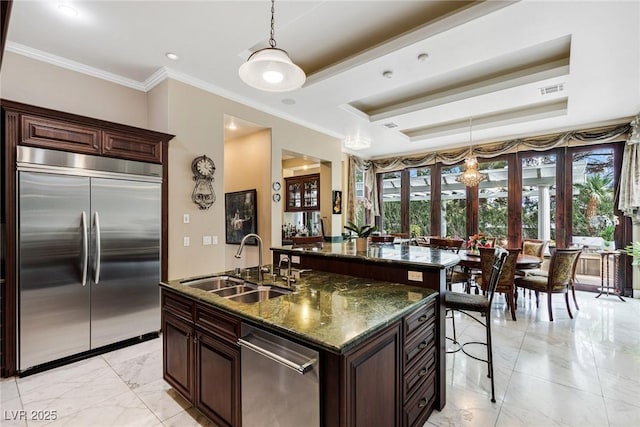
(178, 357)
(217, 380)
(201, 359)
(303, 193)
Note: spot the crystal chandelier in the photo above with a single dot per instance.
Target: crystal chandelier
(471, 176)
(270, 69)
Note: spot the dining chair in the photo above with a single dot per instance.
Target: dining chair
(507, 276)
(562, 271)
(452, 245)
(478, 307)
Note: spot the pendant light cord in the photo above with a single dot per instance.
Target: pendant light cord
(272, 40)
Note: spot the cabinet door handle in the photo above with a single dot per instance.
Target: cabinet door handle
(422, 345)
(195, 340)
(98, 260)
(423, 372)
(423, 403)
(85, 248)
(422, 318)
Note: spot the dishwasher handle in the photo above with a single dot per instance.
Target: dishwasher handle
(301, 369)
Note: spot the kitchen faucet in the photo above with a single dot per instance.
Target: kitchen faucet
(289, 275)
(239, 253)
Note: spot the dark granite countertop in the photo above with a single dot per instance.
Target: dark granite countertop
(332, 311)
(400, 254)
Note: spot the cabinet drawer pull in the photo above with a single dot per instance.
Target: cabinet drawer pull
(195, 340)
(423, 403)
(423, 345)
(423, 372)
(422, 318)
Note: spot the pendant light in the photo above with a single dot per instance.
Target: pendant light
(270, 69)
(471, 176)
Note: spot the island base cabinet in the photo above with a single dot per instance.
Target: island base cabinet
(217, 380)
(373, 381)
(202, 364)
(178, 357)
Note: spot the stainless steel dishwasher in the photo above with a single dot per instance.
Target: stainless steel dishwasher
(280, 381)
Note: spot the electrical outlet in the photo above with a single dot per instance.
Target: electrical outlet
(206, 240)
(186, 241)
(415, 276)
(295, 259)
(214, 240)
(186, 219)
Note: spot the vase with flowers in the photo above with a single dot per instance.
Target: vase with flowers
(475, 242)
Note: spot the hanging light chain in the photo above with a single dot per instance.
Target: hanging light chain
(272, 40)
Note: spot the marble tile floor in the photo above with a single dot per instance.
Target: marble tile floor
(580, 372)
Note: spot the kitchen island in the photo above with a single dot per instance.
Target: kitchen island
(375, 340)
(400, 263)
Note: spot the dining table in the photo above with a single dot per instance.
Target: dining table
(524, 262)
(470, 262)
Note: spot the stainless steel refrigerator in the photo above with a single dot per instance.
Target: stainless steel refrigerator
(88, 253)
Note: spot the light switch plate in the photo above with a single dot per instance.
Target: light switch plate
(214, 240)
(206, 240)
(186, 219)
(295, 259)
(186, 241)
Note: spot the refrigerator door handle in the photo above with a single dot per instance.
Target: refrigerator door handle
(98, 249)
(85, 249)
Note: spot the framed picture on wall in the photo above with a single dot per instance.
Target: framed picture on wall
(240, 211)
(336, 199)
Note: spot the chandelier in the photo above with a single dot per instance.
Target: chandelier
(270, 69)
(471, 176)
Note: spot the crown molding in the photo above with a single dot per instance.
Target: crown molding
(59, 61)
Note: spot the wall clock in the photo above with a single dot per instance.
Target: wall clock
(203, 169)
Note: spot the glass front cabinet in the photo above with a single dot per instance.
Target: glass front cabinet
(303, 193)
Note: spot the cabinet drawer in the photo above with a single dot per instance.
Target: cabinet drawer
(218, 323)
(130, 146)
(419, 346)
(418, 319)
(177, 305)
(419, 407)
(59, 135)
(416, 376)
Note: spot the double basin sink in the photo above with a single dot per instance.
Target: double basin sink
(235, 289)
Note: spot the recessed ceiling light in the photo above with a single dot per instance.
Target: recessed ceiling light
(172, 56)
(67, 10)
(288, 101)
(423, 57)
(387, 74)
(232, 126)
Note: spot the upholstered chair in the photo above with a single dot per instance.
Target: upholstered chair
(562, 270)
(478, 308)
(506, 281)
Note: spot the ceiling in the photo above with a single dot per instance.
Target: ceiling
(461, 72)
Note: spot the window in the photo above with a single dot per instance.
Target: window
(420, 202)
(391, 202)
(493, 200)
(454, 204)
(539, 197)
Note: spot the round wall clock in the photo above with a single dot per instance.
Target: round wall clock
(203, 169)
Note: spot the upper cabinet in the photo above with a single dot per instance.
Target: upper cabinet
(40, 127)
(303, 193)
